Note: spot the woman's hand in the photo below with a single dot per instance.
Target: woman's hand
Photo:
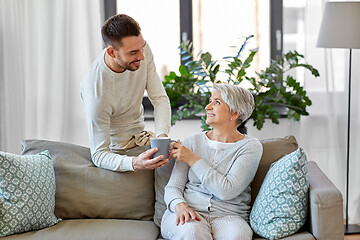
(183, 154)
(185, 214)
(163, 135)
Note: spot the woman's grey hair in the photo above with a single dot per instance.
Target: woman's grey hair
(239, 100)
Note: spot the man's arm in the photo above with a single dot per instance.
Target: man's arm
(157, 97)
(98, 111)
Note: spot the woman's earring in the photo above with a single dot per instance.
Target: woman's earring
(230, 119)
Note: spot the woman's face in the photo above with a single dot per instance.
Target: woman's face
(217, 110)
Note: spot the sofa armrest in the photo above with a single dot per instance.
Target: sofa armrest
(326, 206)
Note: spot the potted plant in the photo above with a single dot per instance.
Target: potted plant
(274, 88)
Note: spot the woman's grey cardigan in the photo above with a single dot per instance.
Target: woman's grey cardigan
(219, 182)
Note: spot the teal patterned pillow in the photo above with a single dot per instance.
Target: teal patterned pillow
(27, 193)
(280, 209)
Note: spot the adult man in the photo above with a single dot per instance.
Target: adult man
(112, 93)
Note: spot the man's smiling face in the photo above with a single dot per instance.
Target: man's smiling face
(130, 53)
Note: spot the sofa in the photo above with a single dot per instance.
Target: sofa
(94, 203)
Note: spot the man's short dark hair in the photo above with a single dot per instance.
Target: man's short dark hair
(117, 27)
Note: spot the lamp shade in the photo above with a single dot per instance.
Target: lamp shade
(340, 25)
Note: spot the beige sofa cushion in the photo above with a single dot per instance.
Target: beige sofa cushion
(273, 150)
(93, 229)
(85, 191)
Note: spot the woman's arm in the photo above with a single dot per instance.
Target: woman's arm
(174, 194)
(174, 190)
(223, 186)
(229, 185)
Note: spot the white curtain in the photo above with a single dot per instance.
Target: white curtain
(323, 134)
(46, 48)
(329, 94)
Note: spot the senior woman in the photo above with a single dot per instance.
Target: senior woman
(208, 193)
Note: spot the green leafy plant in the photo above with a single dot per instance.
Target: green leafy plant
(274, 88)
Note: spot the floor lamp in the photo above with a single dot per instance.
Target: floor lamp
(340, 28)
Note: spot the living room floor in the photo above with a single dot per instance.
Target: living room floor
(352, 237)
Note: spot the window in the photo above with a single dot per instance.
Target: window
(294, 31)
(212, 27)
(218, 26)
(215, 28)
(301, 23)
(159, 21)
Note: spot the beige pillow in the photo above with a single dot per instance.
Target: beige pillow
(273, 150)
(85, 191)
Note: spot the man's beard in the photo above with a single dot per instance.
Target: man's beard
(127, 67)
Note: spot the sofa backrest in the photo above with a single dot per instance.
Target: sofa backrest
(85, 191)
(273, 150)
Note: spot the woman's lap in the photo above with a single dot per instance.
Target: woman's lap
(231, 227)
(228, 227)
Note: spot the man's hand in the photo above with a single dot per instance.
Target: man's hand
(185, 214)
(145, 160)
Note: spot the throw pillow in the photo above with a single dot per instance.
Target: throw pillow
(273, 150)
(27, 193)
(280, 208)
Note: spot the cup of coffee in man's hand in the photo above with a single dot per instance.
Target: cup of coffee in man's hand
(163, 144)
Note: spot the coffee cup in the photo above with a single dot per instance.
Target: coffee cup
(163, 144)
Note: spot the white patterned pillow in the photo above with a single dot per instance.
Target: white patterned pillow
(27, 193)
(280, 208)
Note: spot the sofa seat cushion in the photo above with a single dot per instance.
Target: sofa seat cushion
(86, 191)
(93, 229)
(297, 236)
